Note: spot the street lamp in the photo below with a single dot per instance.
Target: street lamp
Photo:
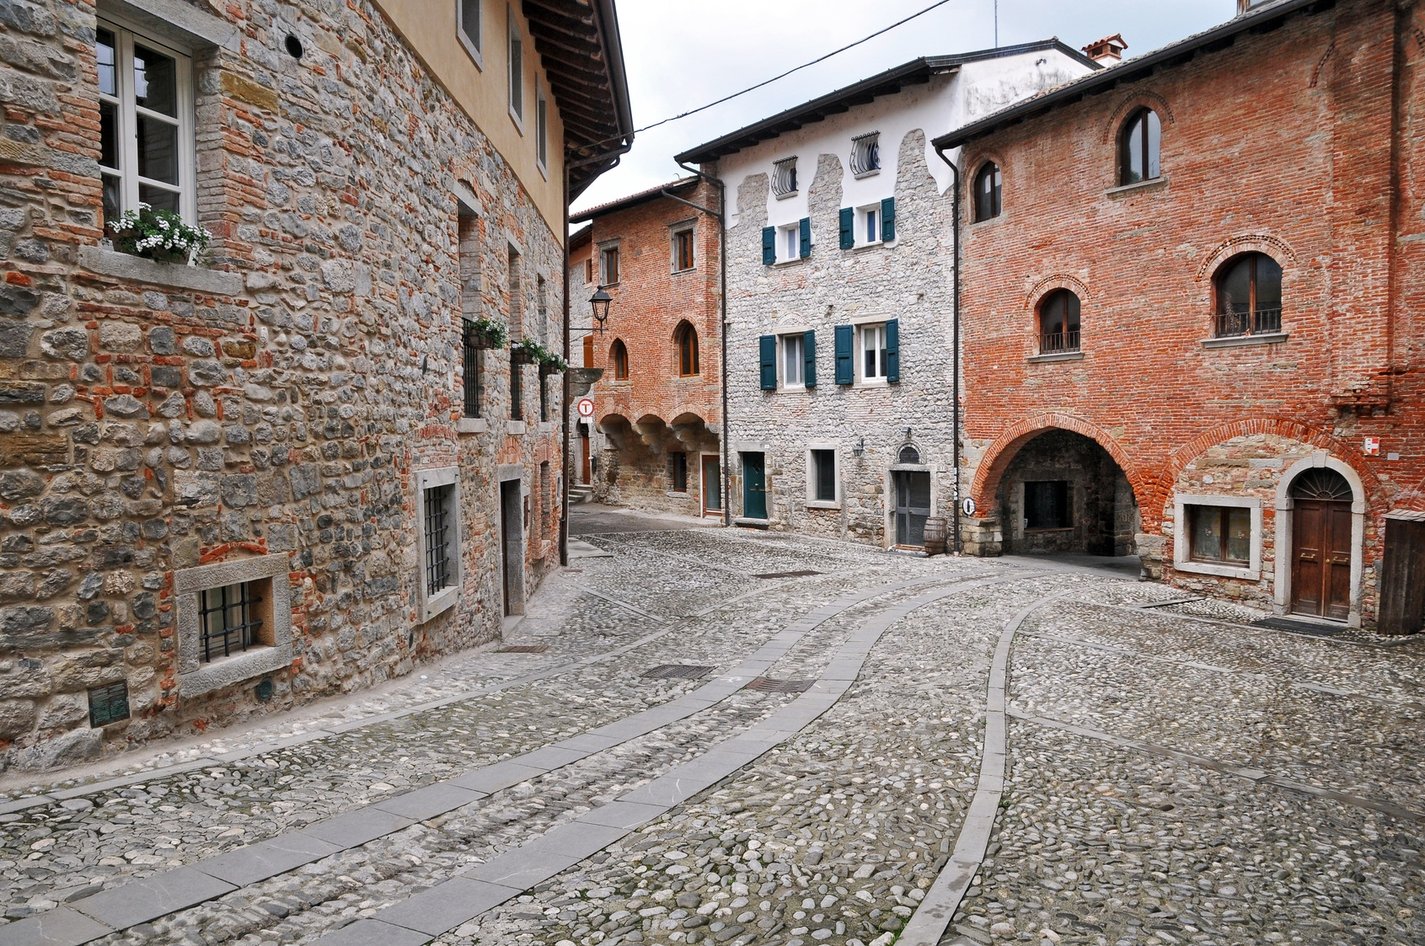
(599, 302)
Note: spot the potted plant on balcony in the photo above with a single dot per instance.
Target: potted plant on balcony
(158, 235)
(527, 351)
(485, 333)
(551, 363)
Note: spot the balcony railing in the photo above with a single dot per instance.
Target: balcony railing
(1053, 343)
(1258, 322)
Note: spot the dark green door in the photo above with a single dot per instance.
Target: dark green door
(912, 506)
(754, 486)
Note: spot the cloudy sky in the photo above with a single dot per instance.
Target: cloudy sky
(684, 53)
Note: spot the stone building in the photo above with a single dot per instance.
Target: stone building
(838, 242)
(1192, 313)
(654, 441)
(286, 471)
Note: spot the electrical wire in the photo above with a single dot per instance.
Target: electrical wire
(805, 65)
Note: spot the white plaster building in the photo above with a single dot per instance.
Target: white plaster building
(839, 242)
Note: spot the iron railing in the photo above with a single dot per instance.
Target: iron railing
(470, 351)
(1258, 322)
(1053, 343)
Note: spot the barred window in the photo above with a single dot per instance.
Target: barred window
(438, 534)
(228, 619)
(866, 154)
(784, 177)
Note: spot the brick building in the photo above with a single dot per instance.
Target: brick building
(839, 292)
(655, 438)
(285, 471)
(1192, 312)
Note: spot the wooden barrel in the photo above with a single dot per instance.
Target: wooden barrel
(935, 535)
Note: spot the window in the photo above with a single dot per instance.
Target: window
(987, 191)
(234, 622)
(516, 71)
(541, 308)
(784, 177)
(438, 534)
(1059, 323)
(682, 249)
(589, 271)
(516, 386)
(821, 483)
(1138, 147)
(618, 357)
(467, 226)
(789, 243)
(866, 154)
(608, 262)
(868, 225)
(873, 352)
(473, 383)
(793, 360)
(145, 125)
(543, 396)
(1249, 295)
(678, 471)
(685, 340)
(1046, 505)
(541, 129)
(467, 14)
(1220, 534)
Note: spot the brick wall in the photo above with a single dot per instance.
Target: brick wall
(278, 398)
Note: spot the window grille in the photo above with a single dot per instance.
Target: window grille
(784, 177)
(516, 386)
(866, 153)
(437, 531)
(228, 620)
(470, 352)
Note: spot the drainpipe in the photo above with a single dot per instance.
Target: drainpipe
(616, 155)
(955, 341)
(721, 216)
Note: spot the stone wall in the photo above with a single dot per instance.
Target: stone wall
(275, 399)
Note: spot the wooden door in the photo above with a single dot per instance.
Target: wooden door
(1402, 580)
(1321, 558)
(584, 478)
(754, 486)
(712, 485)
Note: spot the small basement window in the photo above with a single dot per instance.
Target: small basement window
(234, 622)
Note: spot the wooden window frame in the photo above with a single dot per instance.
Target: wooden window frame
(988, 204)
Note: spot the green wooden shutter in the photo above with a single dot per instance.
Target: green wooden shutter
(809, 359)
(848, 227)
(769, 245)
(888, 219)
(767, 356)
(845, 367)
(806, 237)
(893, 350)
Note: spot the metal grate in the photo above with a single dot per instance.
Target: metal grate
(678, 672)
(1242, 322)
(773, 685)
(516, 385)
(437, 538)
(108, 704)
(228, 619)
(523, 649)
(471, 360)
(804, 573)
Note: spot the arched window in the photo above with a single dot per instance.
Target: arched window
(1059, 322)
(1248, 288)
(618, 359)
(685, 340)
(1138, 147)
(987, 191)
(909, 454)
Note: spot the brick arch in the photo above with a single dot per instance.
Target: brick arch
(1007, 445)
(1273, 246)
(1276, 426)
(1048, 284)
(1128, 103)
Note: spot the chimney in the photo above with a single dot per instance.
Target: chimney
(1110, 49)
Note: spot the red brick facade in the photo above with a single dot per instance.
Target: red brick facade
(1302, 143)
(660, 409)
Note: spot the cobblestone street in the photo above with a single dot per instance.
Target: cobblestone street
(728, 737)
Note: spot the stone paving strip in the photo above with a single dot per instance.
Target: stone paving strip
(473, 892)
(159, 894)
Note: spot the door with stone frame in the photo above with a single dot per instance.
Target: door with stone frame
(1321, 545)
(912, 508)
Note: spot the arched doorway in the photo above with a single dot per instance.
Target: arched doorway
(1321, 544)
(1062, 492)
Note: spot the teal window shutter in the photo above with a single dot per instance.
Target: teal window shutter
(848, 228)
(806, 237)
(809, 359)
(769, 245)
(767, 351)
(845, 336)
(888, 219)
(893, 350)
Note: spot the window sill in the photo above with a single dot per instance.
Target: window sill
(108, 262)
(515, 427)
(517, 120)
(471, 49)
(1220, 571)
(863, 247)
(546, 426)
(788, 195)
(790, 262)
(791, 389)
(872, 383)
(230, 671)
(439, 603)
(1128, 190)
(1240, 341)
(823, 504)
(1056, 356)
(471, 425)
(684, 272)
(871, 173)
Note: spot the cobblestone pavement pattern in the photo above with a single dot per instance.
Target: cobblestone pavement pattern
(1168, 775)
